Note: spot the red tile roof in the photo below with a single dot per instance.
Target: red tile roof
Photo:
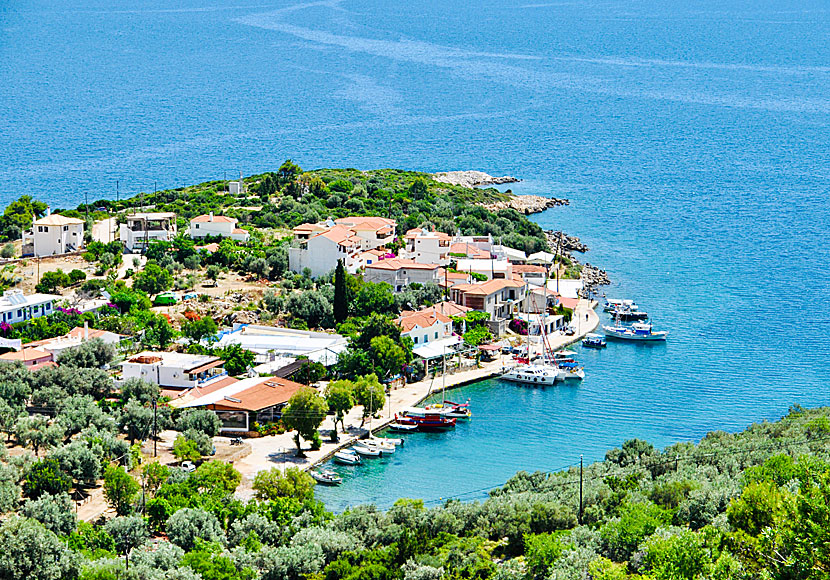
(400, 264)
(217, 218)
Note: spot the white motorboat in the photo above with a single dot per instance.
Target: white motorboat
(639, 331)
(327, 477)
(379, 444)
(366, 450)
(571, 374)
(613, 304)
(563, 354)
(532, 374)
(447, 409)
(393, 440)
(347, 457)
(402, 428)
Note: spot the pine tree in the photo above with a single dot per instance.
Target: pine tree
(341, 301)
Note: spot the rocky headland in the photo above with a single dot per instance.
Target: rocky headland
(471, 178)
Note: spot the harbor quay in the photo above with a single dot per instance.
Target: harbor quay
(281, 451)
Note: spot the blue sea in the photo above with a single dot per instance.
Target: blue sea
(691, 138)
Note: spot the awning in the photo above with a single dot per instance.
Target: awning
(437, 348)
(205, 367)
(489, 347)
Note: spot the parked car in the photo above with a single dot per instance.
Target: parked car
(188, 466)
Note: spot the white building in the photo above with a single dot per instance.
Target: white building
(492, 269)
(270, 342)
(15, 307)
(401, 272)
(319, 246)
(535, 322)
(427, 247)
(174, 369)
(143, 228)
(219, 225)
(425, 326)
(55, 234)
(76, 337)
(498, 298)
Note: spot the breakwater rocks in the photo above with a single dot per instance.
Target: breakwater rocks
(471, 178)
(564, 242)
(592, 277)
(527, 204)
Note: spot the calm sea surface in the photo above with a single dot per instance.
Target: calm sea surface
(691, 138)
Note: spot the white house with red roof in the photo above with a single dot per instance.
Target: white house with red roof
(401, 272)
(499, 297)
(425, 326)
(217, 225)
(319, 246)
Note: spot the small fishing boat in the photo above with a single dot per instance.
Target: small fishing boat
(447, 409)
(570, 372)
(594, 341)
(327, 477)
(392, 440)
(615, 304)
(383, 447)
(628, 314)
(347, 457)
(564, 355)
(366, 450)
(532, 374)
(639, 331)
(402, 428)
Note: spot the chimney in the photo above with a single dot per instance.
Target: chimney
(211, 216)
(48, 211)
(86, 330)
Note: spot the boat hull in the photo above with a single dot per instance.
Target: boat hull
(635, 337)
(520, 375)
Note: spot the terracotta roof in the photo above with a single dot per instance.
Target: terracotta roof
(421, 319)
(269, 392)
(214, 247)
(366, 222)
(399, 264)
(568, 302)
(306, 228)
(217, 218)
(339, 235)
(27, 354)
(239, 231)
(199, 391)
(413, 232)
(526, 268)
(57, 220)
(446, 308)
(488, 287)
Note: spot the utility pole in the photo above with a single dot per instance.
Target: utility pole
(580, 490)
(155, 408)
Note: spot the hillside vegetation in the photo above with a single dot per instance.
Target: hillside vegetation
(735, 506)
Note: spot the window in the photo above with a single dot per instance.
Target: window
(48, 306)
(436, 334)
(197, 226)
(66, 228)
(416, 340)
(40, 229)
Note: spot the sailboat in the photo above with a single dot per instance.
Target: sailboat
(459, 411)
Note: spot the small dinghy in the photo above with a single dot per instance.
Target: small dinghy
(347, 457)
(326, 477)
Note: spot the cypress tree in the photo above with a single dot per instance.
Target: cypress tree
(341, 302)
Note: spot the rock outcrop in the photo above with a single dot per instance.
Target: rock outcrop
(527, 204)
(564, 242)
(471, 178)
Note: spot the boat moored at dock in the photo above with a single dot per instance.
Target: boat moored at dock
(347, 457)
(532, 374)
(326, 477)
(639, 331)
(425, 420)
(593, 340)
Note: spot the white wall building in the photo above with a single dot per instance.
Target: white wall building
(219, 225)
(15, 307)
(319, 246)
(427, 247)
(498, 298)
(174, 369)
(493, 269)
(401, 272)
(143, 228)
(55, 234)
(425, 327)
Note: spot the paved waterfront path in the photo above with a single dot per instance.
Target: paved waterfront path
(280, 450)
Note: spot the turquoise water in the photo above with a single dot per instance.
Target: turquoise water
(691, 139)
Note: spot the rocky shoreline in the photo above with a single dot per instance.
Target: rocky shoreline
(471, 178)
(527, 204)
(565, 243)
